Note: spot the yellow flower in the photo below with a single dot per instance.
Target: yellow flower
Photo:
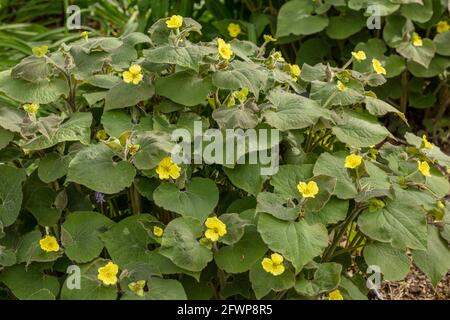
(294, 70)
(234, 30)
(101, 135)
(353, 161)
(215, 229)
(425, 143)
(359, 55)
(137, 287)
(49, 244)
(274, 264)
(133, 148)
(340, 86)
(416, 40)
(335, 295)
(242, 94)
(84, 35)
(442, 26)
(31, 108)
(40, 51)
(174, 22)
(133, 75)
(440, 205)
(231, 101)
(224, 49)
(269, 38)
(168, 169)
(424, 168)
(157, 231)
(308, 190)
(277, 56)
(108, 273)
(377, 67)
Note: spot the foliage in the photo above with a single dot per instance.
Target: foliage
(84, 148)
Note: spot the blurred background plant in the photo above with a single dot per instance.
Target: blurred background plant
(413, 42)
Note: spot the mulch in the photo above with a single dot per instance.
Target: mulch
(416, 286)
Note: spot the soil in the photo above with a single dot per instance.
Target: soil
(416, 286)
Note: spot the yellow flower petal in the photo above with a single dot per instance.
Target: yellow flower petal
(157, 231)
(424, 168)
(215, 228)
(359, 55)
(425, 143)
(224, 49)
(340, 86)
(108, 273)
(167, 169)
(353, 161)
(377, 67)
(234, 30)
(174, 22)
(308, 190)
(31, 108)
(442, 26)
(49, 244)
(269, 38)
(416, 40)
(335, 295)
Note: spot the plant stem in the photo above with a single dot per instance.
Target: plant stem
(337, 239)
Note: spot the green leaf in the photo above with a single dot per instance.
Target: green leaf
(246, 177)
(154, 147)
(359, 129)
(90, 287)
(5, 137)
(437, 66)
(418, 12)
(420, 54)
(53, 166)
(186, 88)
(116, 122)
(11, 180)
(379, 108)
(334, 211)
(285, 181)
(298, 242)
(291, 111)
(276, 206)
(30, 283)
(198, 200)
(242, 74)
(29, 250)
(326, 186)
(188, 57)
(375, 48)
(326, 278)
(401, 222)
(32, 69)
(235, 117)
(295, 17)
(160, 289)
(40, 199)
(180, 245)
(345, 25)
(241, 256)
(333, 165)
(442, 42)
(264, 282)
(80, 235)
(393, 262)
(36, 92)
(350, 290)
(75, 128)
(435, 261)
(11, 119)
(95, 168)
(235, 227)
(127, 94)
(327, 91)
